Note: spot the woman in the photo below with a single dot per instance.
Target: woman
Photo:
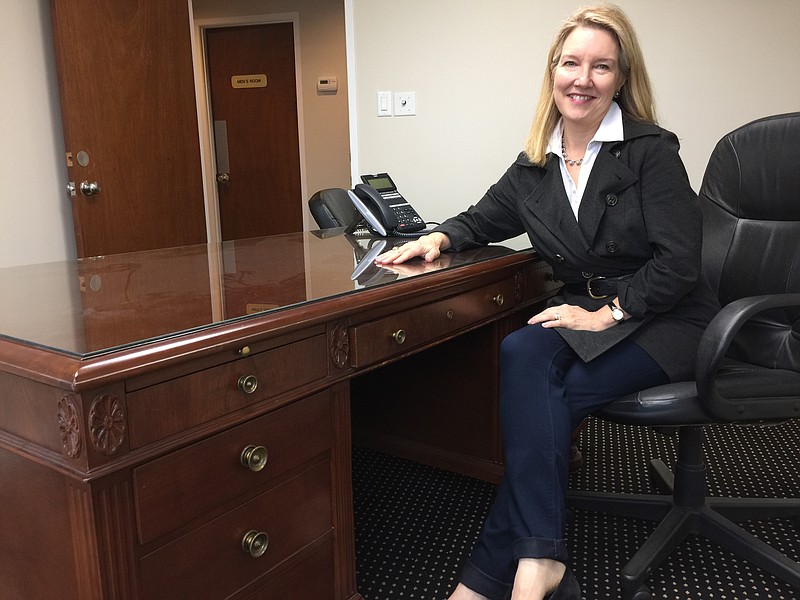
(605, 199)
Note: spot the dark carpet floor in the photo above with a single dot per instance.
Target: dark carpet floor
(415, 524)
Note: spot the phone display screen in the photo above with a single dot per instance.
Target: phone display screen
(382, 183)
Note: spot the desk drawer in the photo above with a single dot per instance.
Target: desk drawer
(382, 339)
(210, 562)
(181, 487)
(168, 408)
(313, 578)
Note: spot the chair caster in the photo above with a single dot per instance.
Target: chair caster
(640, 593)
(643, 593)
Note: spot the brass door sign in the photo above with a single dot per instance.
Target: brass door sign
(258, 80)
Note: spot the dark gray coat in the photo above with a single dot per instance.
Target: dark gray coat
(638, 216)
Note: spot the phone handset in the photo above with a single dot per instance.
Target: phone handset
(386, 212)
(376, 211)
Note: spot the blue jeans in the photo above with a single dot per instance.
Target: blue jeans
(546, 390)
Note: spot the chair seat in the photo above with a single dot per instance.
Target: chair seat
(665, 405)
(747, 382)
(677, 404)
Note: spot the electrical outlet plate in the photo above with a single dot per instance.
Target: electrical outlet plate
(405, 104)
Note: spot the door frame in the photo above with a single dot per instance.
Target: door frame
(205, 117)
(352, 105)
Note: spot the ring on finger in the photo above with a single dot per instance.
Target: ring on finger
(556, 317)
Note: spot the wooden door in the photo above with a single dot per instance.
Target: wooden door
(251, 74)
(130, 123)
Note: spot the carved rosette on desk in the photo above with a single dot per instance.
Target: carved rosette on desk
(339, 346)
(69, 427)
(107, 424)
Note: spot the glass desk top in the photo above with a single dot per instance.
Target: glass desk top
(91, 306)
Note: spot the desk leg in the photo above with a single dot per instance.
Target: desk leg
(345, 547)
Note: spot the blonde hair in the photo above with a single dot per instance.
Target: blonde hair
(635, 97)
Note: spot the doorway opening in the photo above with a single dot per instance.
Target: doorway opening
(251, 125)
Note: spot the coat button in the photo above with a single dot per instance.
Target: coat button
(611, 200)
(611, 247)
(616, 153)
(586, 275)
(559, 258)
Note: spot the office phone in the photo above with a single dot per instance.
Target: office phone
(384, 209)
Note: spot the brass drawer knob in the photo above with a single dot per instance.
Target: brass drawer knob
(254, 458)
(399, 336)
(247, 383)
(255, 543)
(499, 299)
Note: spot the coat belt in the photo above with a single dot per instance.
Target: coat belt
(597, 287)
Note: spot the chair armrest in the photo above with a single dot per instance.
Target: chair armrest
(714, 345)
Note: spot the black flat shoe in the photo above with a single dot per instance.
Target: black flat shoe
(568, 588)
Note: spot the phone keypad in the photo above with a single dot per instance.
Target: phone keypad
(406, 214)
(407, 218)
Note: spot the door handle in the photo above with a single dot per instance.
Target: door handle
(90, 188)
(221, 149)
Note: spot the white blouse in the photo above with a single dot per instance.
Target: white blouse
(610, 130)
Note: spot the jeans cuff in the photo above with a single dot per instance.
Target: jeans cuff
(486, 585)
(540, 548)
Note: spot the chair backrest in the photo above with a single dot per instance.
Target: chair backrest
(750, 198)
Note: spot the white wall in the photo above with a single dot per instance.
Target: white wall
(476, 68)
(35, 212)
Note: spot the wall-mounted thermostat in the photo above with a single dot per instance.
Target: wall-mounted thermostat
(327, 85)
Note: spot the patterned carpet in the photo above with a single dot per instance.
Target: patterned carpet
(415, 524)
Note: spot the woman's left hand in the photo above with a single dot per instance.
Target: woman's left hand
(574, 317)
(417, 267)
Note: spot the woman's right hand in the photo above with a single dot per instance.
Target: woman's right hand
(429, 247)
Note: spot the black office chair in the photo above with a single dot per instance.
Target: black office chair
(748, 363)
(333, 208)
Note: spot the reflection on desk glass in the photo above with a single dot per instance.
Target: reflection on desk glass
(89, 306)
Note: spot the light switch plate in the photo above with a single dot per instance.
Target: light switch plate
(384, 104)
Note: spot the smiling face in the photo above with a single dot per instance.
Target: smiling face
(586, 76)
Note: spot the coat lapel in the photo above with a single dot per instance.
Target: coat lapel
(548, 203)
(608, 177)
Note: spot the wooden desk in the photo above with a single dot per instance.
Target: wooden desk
(177, 423)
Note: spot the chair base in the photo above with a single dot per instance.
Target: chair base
(686, 511)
